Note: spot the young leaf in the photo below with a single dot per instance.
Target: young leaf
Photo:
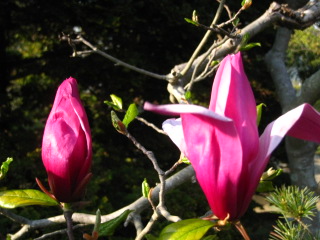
(249, 46)
(108, 228)
(259, 112)
(150, 237)
(116, 103)
(265, 186)
(188, 95)
(185, 160)
(214, 63)
(245, 39)
(236, 22)
(117, 124)
(26, 197)
(191, 21)
(270, 174)
(210, 237)
(131, 113)
(145, 188)
(195, 16)
(116, 100)
(5, 167)
(246, 4)
(190, 229)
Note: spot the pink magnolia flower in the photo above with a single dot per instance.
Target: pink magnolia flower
(67, 145)
(223, 143)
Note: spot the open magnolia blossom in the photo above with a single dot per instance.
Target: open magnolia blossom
(223, 142)
(67, 145)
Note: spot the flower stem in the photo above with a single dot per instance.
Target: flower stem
(242, 230)
(67, 212)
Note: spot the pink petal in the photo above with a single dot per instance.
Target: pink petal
(177, 109)
(232, 97)
(173, 127)
(215, 151)
(302, 122)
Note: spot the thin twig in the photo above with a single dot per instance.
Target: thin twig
(203, 41)
(151, 125)
(231, 18)
(204, 72)
(160, 209)
(119, 62)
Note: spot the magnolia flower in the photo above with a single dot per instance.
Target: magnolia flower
(66, 145)
(223, 143)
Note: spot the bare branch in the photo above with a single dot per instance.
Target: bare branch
(111, 58)
(310, 90)
(274, 15)
(274, 60)
(151, 125)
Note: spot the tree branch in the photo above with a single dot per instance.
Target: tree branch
(274, 61)
(310, 89)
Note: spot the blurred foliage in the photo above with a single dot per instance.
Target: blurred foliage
(148, 34)
(304, 50)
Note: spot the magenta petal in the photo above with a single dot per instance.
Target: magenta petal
(215, 151)
(302, 122)
(232, 97)
(177, 109)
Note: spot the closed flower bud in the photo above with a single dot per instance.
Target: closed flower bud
(67, 145)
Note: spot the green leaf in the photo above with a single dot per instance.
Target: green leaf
(131, 114)
(188, 95)
(185, 160)
(214, 63)
(188, 20)
(259, 112)
(116, 100)
(145, 188)
(26, 197)
(244, 39)
(5, 167)
(236, 22)
(271, 174)
(150, 237)
(190, 229)
(116, 103)
(249, 46)
(108, 228)
(265, 186)
(210, 237)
